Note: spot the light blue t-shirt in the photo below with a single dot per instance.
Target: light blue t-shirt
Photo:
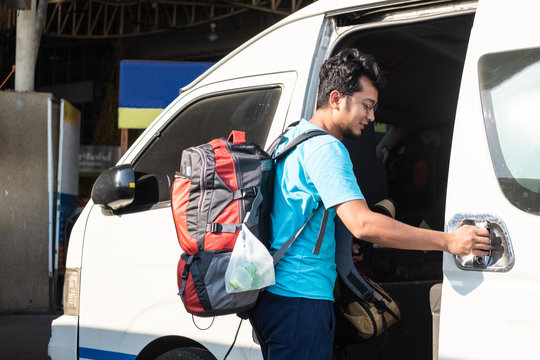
(319, 169)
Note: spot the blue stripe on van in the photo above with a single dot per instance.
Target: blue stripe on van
(95, 354)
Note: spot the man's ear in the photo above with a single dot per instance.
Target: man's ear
(334, 99)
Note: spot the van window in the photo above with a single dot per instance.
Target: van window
(510, 89)
(208, 118)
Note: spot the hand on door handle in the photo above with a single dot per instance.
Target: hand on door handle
(483, 261)
(501, 256)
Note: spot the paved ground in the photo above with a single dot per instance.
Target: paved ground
(25, 336)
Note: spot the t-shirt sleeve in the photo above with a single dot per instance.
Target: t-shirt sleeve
(330, 169)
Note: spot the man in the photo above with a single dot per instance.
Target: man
(294, 318)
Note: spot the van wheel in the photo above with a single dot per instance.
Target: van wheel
(186, 353)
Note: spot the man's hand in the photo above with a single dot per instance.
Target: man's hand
(357, 255)
(468, 240)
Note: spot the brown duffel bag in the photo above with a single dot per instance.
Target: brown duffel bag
(372, 315)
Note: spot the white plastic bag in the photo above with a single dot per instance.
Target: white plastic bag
(251, 266)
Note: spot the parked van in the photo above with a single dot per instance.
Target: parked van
(456, 141)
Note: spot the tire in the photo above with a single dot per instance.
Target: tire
(186, 353)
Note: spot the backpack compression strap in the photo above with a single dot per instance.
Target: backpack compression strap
(234, 227)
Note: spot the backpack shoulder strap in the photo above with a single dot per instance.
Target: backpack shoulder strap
(345, 265)
(288, 148)
(277, 256)
(297, 141)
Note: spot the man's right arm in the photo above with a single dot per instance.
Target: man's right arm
(379, 229)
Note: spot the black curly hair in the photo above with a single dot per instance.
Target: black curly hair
(342, 71)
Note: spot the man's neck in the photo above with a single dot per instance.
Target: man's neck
(323, 119)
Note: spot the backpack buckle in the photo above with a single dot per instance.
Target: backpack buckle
(245, 193)
(214, 227)
(249, 192)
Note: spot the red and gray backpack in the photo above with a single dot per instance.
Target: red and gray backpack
(218, 184)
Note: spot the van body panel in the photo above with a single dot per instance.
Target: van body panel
(74, 255)
(63, 343)
(486, 314)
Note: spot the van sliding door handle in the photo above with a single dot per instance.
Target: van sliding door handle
(501, 256)
(484, 261)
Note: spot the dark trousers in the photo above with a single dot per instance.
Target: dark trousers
(294, 328)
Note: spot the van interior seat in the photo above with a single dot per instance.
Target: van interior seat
(369, 171)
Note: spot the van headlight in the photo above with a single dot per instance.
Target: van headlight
(71, 291)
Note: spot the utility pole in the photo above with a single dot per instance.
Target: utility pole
(29, 28)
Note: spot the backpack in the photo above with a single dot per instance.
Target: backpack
(219, 183)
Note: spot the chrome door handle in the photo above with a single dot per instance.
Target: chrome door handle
(483, 261)
(500, 258)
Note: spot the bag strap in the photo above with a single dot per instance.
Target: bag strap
(252, 217)
(360, 286)
(322, 230)
(297, 141)
(250, 221)
(214, 227)
(277, 256)
(289, 148)
(272, 148)
(185, 275)
(381, 307)
(345, 265)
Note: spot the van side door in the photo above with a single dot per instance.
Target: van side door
(488, 306)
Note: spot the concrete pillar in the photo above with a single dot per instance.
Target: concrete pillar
(25, 49)
(41, 15)
(24, 199)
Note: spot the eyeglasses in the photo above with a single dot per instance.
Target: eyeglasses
(369, 107)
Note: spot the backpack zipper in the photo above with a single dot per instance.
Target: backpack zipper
(239, 183)
(202, 178)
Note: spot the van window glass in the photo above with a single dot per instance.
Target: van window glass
(212, 117)
(510, 89)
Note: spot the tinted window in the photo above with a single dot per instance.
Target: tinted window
(213, 117)
(510, 89)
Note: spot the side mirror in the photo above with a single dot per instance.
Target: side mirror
(115, 188)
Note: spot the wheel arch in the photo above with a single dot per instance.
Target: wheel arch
(166, 343)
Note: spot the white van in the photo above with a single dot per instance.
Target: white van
(457, 141)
